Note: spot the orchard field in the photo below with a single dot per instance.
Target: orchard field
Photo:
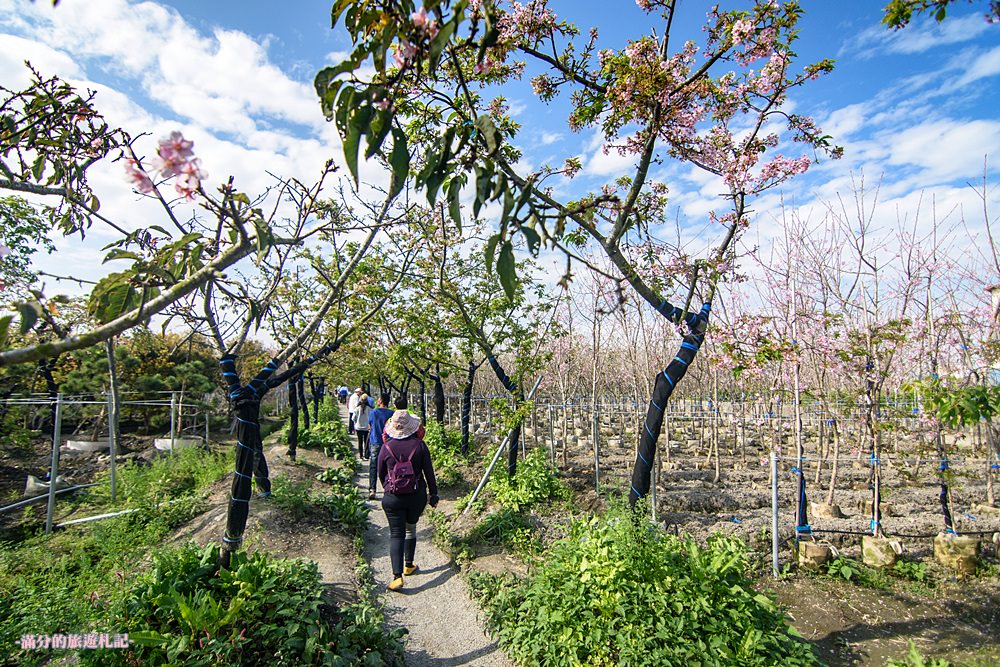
(703, 333)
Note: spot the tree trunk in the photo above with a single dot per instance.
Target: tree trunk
(300, 386)
(439, 402)
(663, 387)
(293, 419)
(250, 462)
(467, 406)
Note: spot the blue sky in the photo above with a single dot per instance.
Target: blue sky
(915, 108)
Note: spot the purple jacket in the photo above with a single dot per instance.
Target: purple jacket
(421, 460)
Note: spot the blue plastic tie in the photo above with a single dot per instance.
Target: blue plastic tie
(644, 460)
(636, 491)
(943, 466)
(735, 520)
(806, 528)
(796, 470)
(969, 516)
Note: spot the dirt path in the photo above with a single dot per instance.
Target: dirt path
(434, 606)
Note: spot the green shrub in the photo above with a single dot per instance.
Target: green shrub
(445, 446)
(849, 569)
(617, 591)
(167, 477)
(916, 659)
(263, 610)
(329, 412)
(60, 582)
(507, 528)
(535, 482)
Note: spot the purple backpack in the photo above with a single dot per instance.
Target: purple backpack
(401, 479)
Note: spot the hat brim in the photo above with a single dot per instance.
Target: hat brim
(398, 431)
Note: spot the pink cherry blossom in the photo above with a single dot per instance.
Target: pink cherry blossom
(140, 180)
(419, 18)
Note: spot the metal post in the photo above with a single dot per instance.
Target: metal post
(597, 454)
(173, 419)
(54, 474)
(113, 442)
(207, 423)
(774, 514)
(552, 440)
(655, 473)
(496, 457)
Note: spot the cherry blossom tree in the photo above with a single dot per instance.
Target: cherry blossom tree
(718, 106)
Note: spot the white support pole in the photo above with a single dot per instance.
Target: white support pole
(597, 452)
(774, 515)
(54, 473)
(496, 457)
(113, 442)
(552, 437)
(173, 419)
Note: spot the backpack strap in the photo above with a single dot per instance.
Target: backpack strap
(396, 458)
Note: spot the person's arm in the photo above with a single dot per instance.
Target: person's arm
(383, 464)
(432, 487)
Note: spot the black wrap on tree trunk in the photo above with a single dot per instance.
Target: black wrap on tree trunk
(467, 407)
(664, 386)
(515, 434)
(249, 446)
(293, 421)
(439, 400)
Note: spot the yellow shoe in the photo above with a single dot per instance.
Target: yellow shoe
(396, 584)
(410, 569)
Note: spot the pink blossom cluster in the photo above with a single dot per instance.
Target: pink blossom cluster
(426, 29)
(523, 24)
(174, 159)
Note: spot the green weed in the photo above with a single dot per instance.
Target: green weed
(914, 658)
(535, 482)
(617, 591)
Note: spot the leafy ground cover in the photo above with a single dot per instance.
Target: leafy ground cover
(617, 591)
(172, 601)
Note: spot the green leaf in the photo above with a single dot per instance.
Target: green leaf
(442, 39)
(119, 253)
(5, 328)
(351, 142)
(505, 268)
(489, 132)
(533, 239)
(454, 203)
(29, 315)
(483, 176)
(399, 160)
(379, 127)
(491, 246)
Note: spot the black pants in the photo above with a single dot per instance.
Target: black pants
(403, 512)
(363, 447)
(373, 467)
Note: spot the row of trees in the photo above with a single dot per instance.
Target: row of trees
(434, 274)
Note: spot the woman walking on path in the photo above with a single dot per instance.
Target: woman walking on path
(376, 428)
(407, 476)
(361, 426)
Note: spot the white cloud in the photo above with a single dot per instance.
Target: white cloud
(921, 35)
(610, 163)
(983, 66)
(550, 137)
